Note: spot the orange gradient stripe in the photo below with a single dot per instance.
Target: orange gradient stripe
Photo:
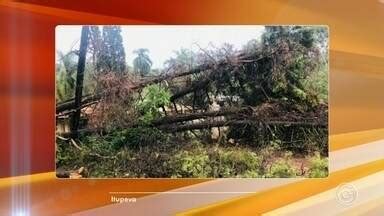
(347, 140)
(70, 15)
(31, 47)
(266, 201)
(51, 196)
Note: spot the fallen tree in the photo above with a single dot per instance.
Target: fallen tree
(215, 106)
(269, 114)
(262, 88)
(239, 59)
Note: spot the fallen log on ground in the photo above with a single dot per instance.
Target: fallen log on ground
(208, 124)
(223, 123)
(192, 116)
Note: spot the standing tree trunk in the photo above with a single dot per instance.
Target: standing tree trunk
(79, 79)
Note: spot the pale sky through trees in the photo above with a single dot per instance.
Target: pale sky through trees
(162, 41)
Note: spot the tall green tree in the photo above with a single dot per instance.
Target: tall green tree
(111, 56)
(95, 44)
(142, 63)
(65, 69)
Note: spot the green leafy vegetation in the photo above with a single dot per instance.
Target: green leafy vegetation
(318, 167)
(65, 73)
(137, 137)
(155, 96)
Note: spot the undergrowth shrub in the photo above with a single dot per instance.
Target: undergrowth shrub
(132, 156)
(215, 162)
(194, 163)
(137, 137)
(282, 167)
(234, 162)
(318, 167)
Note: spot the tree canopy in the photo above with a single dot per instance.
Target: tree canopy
(142, 63)
(109, 49)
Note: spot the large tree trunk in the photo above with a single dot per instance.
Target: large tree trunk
(80, 78)
(222, 123)
(208, 124)
(200, 115)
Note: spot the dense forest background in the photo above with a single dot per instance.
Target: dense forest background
(260, 111)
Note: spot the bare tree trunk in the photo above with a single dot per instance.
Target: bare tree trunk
(80, 78)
